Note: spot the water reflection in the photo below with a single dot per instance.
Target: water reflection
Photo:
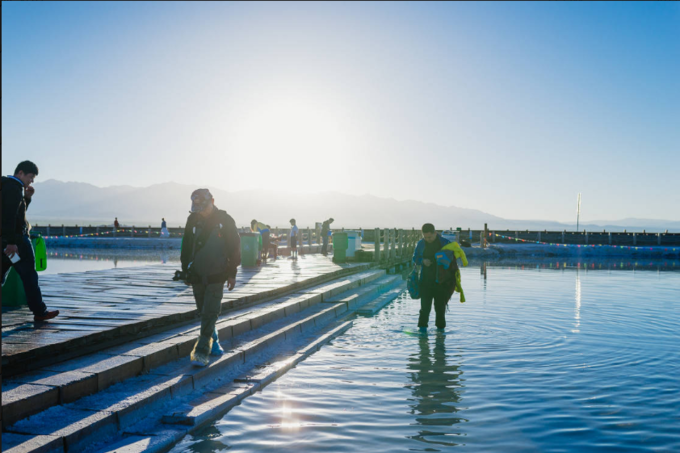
(60, 260)
(113, 255)
(577, 310)
(602, 264)
(436, 389)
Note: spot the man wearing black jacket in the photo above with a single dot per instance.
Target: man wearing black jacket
(17, 193)
(211, 253)
(325, 229)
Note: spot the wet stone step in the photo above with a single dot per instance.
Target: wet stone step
(128, 402)
(120, 363)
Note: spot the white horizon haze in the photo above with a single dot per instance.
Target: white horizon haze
(84, 203)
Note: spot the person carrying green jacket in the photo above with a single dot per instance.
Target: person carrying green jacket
(430, 290)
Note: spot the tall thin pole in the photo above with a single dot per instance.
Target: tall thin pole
(578, 210)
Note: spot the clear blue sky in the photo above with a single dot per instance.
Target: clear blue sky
(510, 108)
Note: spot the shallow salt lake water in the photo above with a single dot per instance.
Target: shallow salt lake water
(536, 360)
(64, 260)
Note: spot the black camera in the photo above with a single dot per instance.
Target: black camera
(184, 276)
(180, 275)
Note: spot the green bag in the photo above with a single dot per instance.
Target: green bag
(13, 294)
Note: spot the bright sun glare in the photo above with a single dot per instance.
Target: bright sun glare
(289, 138)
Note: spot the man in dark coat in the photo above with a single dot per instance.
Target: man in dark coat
(211, 253)
(430, 289)
(17, 194)
(325, 233)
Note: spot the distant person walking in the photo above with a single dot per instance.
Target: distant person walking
(293, 239)
(430, 290)
(116, 225)
(164, 229)
(211, 253)
(17, 193)
(325, 234)
(263, 229)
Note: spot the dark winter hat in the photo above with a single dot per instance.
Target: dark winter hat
(200, 199)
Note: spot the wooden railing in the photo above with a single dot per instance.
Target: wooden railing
(313, 236)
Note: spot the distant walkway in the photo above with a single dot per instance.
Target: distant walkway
(107, 307)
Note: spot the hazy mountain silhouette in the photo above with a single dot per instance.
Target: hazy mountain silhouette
(59, 202)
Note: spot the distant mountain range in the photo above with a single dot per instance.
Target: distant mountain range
(71, 203)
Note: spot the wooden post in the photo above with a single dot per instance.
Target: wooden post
(402, 243)
(486, 235)
(385, 252)
(398, 243)
(63, 230)
(376, 241)
(563, 236)
(634, 238)
(586, 233)
(393, 243)
(132, 231)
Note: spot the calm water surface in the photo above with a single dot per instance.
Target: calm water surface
(64, 260)
(537, 360)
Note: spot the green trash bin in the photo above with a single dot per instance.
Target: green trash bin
(13, 294)
(340, 246)
(250, 249)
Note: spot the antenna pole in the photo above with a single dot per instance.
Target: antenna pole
(578, 210)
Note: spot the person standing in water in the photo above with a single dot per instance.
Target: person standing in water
(164, 229)
(430, 290)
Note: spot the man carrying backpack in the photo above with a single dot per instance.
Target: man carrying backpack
(211, 252)
(431, 289)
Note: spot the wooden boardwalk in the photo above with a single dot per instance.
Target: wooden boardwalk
(108, 307)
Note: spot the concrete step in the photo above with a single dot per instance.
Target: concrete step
(123, 405)
(66, 382)
(211, 405)
(358, 297)
(50, 349)
(376, 305)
